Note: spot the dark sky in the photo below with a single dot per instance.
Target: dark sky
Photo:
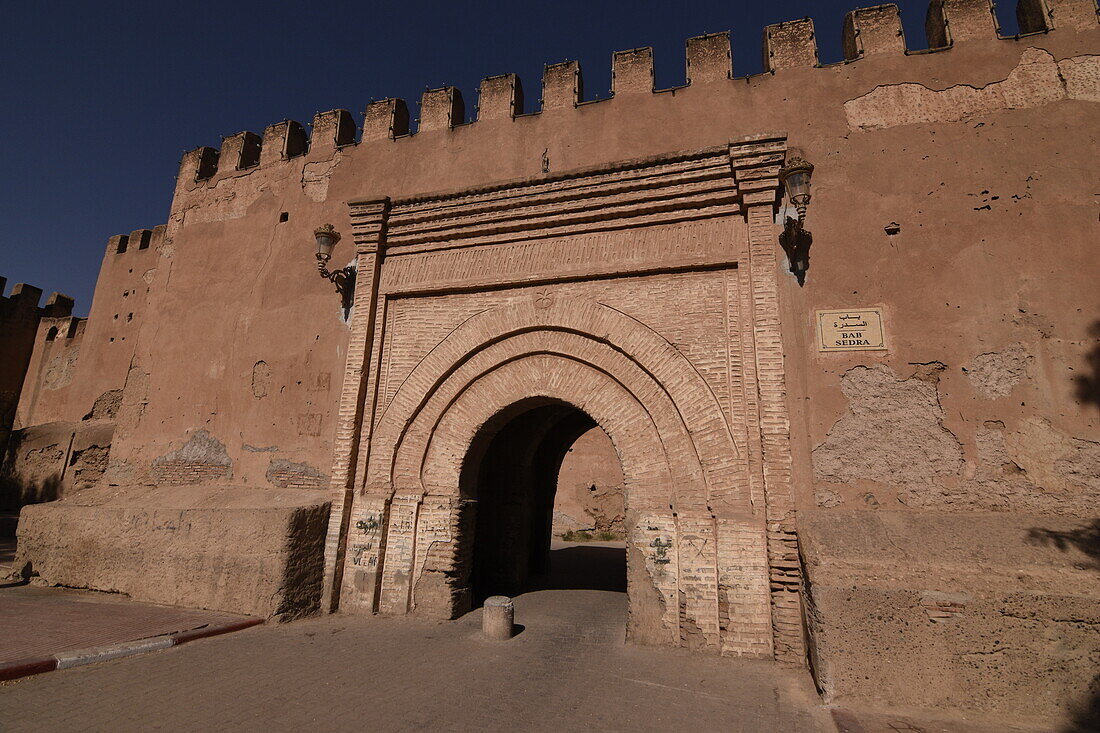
(101, 98)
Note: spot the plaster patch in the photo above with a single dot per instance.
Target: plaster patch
(1036, 469)
(1054, 459)
(1037, 80)
(315, 177)
(261, 379)
(893, 432)
(59, 372)
(994, 374)
(1082, 77)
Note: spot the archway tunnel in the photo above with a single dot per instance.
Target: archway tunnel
(513, 470)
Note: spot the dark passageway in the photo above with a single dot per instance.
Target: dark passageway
(512, 471)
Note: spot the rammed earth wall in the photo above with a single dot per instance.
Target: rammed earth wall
(888, 514)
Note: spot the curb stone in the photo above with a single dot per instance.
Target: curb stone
(66, 660)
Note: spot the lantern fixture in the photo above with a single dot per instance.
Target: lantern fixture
(326, 237)
(796, 179)
(344, 278)
(795, 240)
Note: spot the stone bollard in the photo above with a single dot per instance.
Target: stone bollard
(497, 617)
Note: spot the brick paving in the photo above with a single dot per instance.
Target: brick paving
(568, 669)
(38, 622)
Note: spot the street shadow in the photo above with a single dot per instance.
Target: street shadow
(584, 567)
(1086, 539)
(1088, 384)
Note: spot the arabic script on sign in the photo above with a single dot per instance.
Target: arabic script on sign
(857, 329)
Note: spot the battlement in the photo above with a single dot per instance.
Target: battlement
(58, 306)
(867, 32)
(25, 298)
(64, 328)
(139, 239)
(22, 296)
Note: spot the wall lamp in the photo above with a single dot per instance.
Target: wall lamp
(795, 175)
(796, 179)
(344, 278)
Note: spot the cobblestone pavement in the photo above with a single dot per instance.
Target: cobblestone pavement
(567, 670)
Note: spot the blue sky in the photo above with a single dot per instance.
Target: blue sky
(101, 98)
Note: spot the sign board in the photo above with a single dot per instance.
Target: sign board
(857, 329)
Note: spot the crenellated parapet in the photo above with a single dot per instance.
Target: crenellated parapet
(1037, 16)
(23, 297)
(709, 58)
(789, 45)
(441, 109)
(500, 97)
(283, 141)
(872, 32)
(562, 85)
(331, 130)
(136, 241)
(385, 119)
(632, 71)
(952, 21)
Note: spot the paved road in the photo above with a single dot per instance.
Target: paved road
(568, 670)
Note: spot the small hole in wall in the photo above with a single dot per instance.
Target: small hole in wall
(129, 317)
(116, 316)
(285, 216)
(112, 339)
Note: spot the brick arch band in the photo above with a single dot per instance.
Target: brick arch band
(692, 431)
(680, 461)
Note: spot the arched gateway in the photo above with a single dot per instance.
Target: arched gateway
(640, 298)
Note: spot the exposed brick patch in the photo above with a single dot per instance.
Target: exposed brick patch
(106, 406)
(941, 607)
(202, 458)
(290, 475)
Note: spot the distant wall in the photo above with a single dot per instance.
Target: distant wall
(19, 315)
(590, 487)
(79, 361)
(21, 330)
